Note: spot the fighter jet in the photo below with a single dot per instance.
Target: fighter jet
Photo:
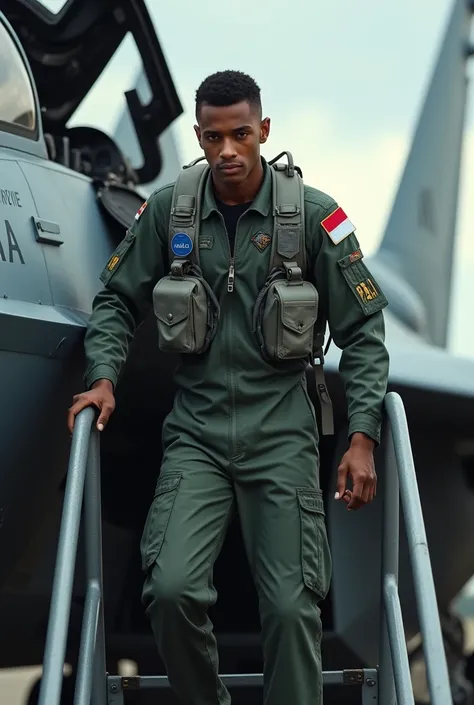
(66, 197)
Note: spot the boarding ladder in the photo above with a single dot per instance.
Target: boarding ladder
(389, 683)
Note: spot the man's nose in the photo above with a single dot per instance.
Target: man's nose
(228, 150)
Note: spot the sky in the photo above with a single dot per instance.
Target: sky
(342, 82)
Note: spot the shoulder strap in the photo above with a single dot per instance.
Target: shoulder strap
(289, 253)
(327, 414)
(185, 212)
(288, 245)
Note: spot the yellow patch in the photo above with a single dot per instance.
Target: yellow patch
(367, 290)
(113, 262)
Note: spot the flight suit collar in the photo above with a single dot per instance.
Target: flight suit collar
(261, 203)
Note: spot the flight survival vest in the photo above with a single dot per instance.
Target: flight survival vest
(286, 317)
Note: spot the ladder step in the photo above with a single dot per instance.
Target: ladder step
(367, 678)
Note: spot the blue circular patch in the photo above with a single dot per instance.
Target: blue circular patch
(181, 244)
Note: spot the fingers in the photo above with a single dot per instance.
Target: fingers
(81, 401)
(357, 499)
(372, 489)
(75, 409)
(103, 401)
(104, 416)
(363, 493)
(359, 464)
(341, 480)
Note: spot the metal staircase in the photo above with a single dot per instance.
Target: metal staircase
(387, 684)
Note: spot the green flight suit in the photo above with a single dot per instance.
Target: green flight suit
(242, 434)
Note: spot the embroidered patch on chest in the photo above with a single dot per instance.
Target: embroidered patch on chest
(206, 242)
(261, 240)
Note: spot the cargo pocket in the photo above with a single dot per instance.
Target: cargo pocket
(158, 517)
(315, 554)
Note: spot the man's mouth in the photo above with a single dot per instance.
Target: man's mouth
(230, 167)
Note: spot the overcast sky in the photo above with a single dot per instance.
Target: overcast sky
(342, 82)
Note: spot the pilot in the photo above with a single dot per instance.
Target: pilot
(242, 434)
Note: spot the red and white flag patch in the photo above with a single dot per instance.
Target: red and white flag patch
(140, 210)
(338, 226)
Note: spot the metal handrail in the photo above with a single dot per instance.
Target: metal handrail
(400, 481)
(82, 484)
(394, 682)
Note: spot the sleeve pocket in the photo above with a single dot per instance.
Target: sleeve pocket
(363, 285)
(117, 258)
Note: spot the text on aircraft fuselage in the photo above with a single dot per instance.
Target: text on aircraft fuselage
(9, 248)
(10, 198)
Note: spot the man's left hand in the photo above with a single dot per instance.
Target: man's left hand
(358, 462)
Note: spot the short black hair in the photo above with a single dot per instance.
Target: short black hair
(227, 88)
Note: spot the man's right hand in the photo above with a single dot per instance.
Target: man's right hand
(101, 395)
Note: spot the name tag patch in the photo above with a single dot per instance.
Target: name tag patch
(206, 242)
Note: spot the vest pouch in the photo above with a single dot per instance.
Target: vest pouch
(186, 314)
(290, 311)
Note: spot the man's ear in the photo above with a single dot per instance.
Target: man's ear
(264, 130)
(198, 134)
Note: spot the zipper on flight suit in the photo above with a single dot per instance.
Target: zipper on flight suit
(231, 271)
(231, 276)
(233, 443)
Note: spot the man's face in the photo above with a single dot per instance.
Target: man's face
(231, 137)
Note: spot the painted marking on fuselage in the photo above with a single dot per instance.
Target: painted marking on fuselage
(9, 244)
(10, 198)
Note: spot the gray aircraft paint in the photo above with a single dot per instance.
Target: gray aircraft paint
(418, 244)
(125, 136)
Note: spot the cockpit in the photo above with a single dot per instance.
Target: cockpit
(68, 53)
(17, 102)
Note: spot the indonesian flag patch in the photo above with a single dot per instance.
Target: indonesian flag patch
(338, 226)
(140, 210)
